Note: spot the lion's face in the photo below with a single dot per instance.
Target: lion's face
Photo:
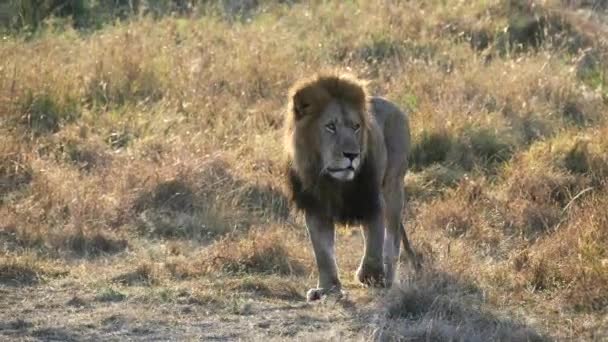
(326, 128)
(340, 137)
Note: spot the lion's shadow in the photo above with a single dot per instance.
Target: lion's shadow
(428, 306)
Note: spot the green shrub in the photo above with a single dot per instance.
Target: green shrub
(43, 113)
(489, 147)
(430, 148)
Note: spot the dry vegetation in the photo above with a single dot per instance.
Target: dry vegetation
(140, 172)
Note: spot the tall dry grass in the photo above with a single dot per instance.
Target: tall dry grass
(168, 129)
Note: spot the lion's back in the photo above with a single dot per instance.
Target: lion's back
(393, 122)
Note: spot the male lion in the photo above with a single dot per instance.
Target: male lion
(347, 157)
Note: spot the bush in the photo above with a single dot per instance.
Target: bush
(431, 148)
(43, 113)
(259, 251)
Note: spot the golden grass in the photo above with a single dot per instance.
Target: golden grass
(259, 251)
(167, 132)
(25, 269)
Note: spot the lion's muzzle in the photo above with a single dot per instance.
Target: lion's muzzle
(346, 167)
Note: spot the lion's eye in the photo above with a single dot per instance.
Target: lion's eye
(357, 127)
(331, 127)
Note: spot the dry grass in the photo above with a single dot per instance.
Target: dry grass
(440, 308)
(25, 270)
(259, 251)
(145, 157)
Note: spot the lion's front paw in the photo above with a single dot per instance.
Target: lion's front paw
(371, 276)
(319, 293)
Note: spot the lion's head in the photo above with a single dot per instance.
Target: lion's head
(327, 125)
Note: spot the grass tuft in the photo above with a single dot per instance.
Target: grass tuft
(18, 273)
(431, 148)
(145, 274)
(15, 169)
(94, 244)
(259, 252)
(439, 307)
(110, 294)
(42, 113)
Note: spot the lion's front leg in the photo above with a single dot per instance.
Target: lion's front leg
(371, 269)
(322, 236)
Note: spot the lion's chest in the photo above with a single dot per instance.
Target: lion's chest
(346, 202)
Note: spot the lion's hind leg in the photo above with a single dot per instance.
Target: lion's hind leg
(395, 233)
(371, 270)
(393, 199)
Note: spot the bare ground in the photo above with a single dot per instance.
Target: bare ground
(57, 312)
(97, 300)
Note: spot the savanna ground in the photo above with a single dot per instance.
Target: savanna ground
(140, 169)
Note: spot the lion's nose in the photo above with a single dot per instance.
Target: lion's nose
(350, 156)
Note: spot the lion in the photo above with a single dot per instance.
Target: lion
(347, 155)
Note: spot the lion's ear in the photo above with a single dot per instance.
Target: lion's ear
(300, 108)
(308, 100)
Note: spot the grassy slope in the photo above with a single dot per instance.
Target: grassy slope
(140, 173)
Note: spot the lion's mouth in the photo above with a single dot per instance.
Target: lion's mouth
(349, 168)
(342, 173)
